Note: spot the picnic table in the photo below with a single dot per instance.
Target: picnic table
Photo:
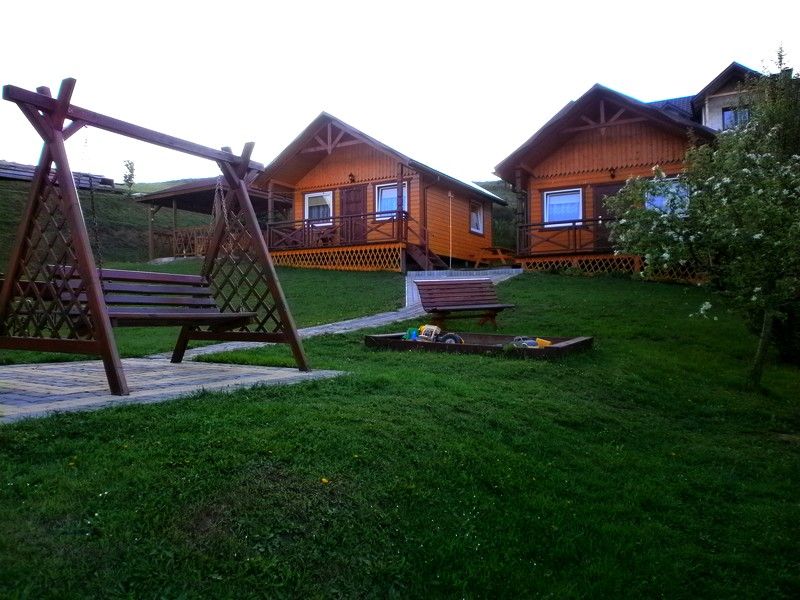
(494, 254)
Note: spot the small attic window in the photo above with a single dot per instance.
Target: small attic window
(735, 117)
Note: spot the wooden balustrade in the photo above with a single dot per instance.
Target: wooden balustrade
(563, 237)
(349, 230)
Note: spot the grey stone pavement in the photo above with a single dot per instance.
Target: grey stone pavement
(35, 390)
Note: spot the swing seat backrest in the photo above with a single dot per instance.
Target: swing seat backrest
(145, 299)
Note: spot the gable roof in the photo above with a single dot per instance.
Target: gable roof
(297, 163)
(681, 105)
(733, 72)
(669, 115)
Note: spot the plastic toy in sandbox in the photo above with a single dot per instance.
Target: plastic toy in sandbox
(431, 333)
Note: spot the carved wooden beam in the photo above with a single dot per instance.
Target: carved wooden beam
(49, 105)
(603, 125)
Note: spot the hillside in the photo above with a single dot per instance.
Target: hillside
(502, 216)
(122, 222)
(157, 186)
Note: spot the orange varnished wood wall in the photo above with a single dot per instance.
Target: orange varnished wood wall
(370, 166)
(591, 159)
(441, 223)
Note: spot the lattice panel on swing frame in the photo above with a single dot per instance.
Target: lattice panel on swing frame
(238, 278)
(42, 305)
(368, 257)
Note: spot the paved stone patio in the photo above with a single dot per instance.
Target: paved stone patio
(35, 390)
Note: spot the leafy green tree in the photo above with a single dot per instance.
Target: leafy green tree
(128, 176)
(734, 213)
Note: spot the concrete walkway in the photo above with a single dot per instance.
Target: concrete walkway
(409, 312)
(413, 309)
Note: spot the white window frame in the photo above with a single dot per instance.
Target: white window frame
(328, 195)
(479, 205)
(545, 209)
(738, 117)
(388, 214)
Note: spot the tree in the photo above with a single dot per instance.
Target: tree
(734, 212)
(127, 177)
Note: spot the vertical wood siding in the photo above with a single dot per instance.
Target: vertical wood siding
(587, 160)
(623, 146)
(466, 244)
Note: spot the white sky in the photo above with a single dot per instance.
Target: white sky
(456, 85)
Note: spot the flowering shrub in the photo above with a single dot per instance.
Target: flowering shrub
(735, 214)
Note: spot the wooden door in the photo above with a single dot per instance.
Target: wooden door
(354, 207)
(602, 214)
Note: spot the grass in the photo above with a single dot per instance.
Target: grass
(345, 296)
(643, 468)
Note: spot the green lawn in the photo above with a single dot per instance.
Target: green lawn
(643, 468)
(314, 297)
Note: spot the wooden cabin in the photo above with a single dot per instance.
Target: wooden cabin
(587, 151)
(337, 198)
(357, 204)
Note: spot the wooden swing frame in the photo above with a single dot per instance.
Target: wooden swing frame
(236, 236)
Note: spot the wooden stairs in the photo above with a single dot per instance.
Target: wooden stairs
(427, 260)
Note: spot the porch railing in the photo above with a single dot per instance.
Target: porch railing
(350, 230)
(564, 237)
(184, 241)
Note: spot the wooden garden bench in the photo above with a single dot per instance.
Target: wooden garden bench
(148, 299)
(466, 297)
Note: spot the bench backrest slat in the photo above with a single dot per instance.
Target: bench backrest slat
(113, 299)
(141, 276)
(441, 293)
(143, 291)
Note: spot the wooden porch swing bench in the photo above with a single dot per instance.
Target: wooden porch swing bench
(148, 299)
(54, 298)
(141, 299)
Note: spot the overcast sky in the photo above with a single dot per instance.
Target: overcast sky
(456, 85)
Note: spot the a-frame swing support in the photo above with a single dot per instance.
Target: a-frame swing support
(39, 311)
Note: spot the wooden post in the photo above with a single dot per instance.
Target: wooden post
(270, 203)
(174, 227)
(237, 185)
(398, 222)
(151, 249)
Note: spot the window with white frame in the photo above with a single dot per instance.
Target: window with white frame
(386, 200)
(672, 199)
(476, 217)
(735, 116)
(563, 205)
(319, 207)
